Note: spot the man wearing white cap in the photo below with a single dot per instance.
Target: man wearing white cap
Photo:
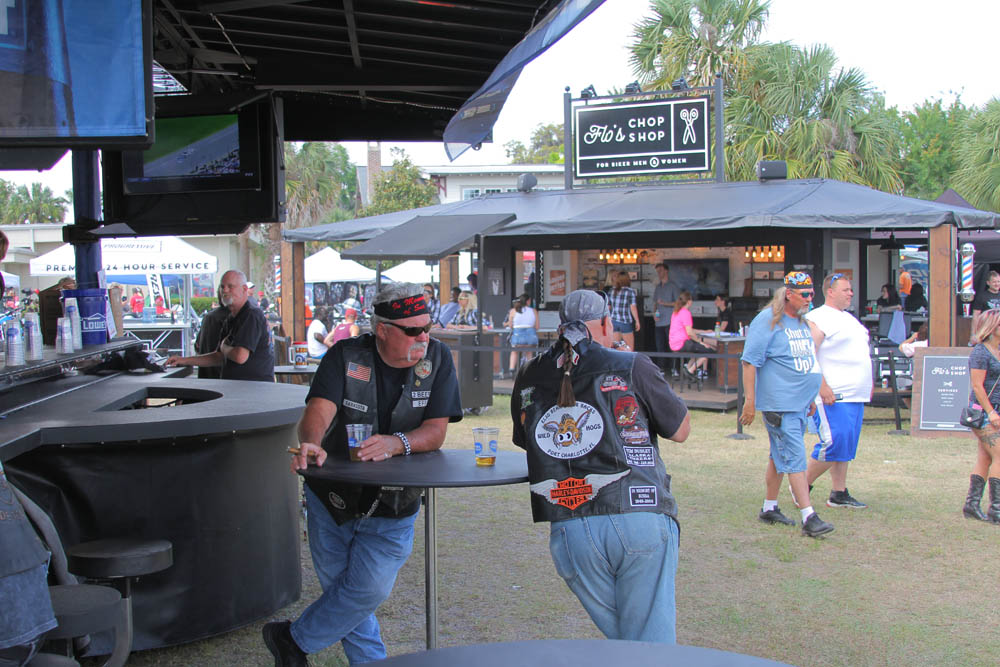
(588, 417)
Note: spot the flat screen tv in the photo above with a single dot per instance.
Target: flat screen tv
(199, 180)
(704, 278)
(198, 153)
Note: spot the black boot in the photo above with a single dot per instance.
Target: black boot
(994, 511)
(972, 509)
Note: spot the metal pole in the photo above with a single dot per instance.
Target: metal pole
(86, 213)
(567, 141)
(720, 147)
(430, 567)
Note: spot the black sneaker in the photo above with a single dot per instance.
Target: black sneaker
(775, 516)
(815, 526)
(279, 642)
(844, 499)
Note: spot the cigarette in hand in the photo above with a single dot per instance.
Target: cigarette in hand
(297, 451)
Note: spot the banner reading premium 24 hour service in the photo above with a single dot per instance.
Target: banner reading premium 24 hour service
(655, 137)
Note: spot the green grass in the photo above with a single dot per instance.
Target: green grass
(906, 581)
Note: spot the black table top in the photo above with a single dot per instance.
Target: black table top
(443, 468)
(576, 653)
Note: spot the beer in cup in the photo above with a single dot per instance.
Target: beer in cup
(485, 438)
(356, 434)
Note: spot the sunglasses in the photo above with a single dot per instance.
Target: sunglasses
(427, 291)
(804, 294)
(836, 276)
(413, 332)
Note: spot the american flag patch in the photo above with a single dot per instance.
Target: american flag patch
(359, 372)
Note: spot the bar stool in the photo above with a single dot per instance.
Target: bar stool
(84, 609)
(119, 562)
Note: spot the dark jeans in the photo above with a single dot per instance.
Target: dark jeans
(663, 345)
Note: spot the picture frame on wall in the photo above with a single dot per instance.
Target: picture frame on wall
(633, 275)
(494, 278)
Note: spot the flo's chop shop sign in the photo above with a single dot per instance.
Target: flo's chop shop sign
(656, 137)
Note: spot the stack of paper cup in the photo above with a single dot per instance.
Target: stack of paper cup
(15, 344)
(72, 311)
(32, 337)
(64, 336)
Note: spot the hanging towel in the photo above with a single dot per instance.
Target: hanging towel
(897, 330)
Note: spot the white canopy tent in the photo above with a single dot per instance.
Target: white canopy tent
(150, 254)
(412, 271)
(11, 279)
(326, 266)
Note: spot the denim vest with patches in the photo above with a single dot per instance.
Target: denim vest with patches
(599, 456)
(360, 406)
(20, 548)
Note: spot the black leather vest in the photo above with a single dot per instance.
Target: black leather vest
(360, 406)
(20, 548)
(597, 457)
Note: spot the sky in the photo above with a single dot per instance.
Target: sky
(911, 50)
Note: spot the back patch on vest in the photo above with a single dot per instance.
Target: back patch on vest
(573, 491)
(568, 433)
(642, 496)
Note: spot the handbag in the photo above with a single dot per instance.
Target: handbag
(975, 417)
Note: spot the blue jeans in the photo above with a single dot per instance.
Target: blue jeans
(356, 563)
(621, 567)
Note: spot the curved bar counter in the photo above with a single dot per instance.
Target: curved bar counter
(210, 475)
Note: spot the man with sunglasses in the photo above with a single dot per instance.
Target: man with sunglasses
(403, 383)
(843, 355)
(781, 378)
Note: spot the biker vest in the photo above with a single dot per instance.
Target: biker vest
(360, 406)
(22, 550)
(598, 456)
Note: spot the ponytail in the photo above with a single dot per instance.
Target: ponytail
(566, 397)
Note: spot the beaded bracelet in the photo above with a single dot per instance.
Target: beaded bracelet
(406, 442)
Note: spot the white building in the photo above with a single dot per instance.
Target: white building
(457, 183)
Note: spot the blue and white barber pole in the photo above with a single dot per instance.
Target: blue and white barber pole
(967, 292)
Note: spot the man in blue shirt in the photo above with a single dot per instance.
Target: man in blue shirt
(781, 379)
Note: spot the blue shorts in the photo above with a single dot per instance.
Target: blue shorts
(623, 327)
(788, 451)
(839, 429)
(524, 336)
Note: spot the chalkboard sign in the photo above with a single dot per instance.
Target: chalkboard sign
(944, 392)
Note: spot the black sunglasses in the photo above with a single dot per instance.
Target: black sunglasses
(413, 332)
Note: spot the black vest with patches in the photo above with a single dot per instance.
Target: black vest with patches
(599, 456)
(360, 406)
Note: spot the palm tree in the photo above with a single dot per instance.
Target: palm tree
(695, 39)
(796, 105)
(38, 204)
(978, 180)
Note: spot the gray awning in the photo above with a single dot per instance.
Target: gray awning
(428, 237)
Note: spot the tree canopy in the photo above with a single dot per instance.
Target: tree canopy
(978, 152)
(546, 146)
(30, 204)
(400, 188)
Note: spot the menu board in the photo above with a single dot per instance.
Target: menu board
(944, 392)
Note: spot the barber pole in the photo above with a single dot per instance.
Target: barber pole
(277, 273)
(967, 292)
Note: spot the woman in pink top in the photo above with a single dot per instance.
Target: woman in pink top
(682, 333)
(348, 328)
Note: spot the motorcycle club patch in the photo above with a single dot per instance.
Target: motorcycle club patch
(613, 383)
(526, 398)
(360, 407)
(336, 501)
(626, 411)
(639, 456)
(635, 435)
(642, 496)
(568, 433)
(423, 368)
(573, 491)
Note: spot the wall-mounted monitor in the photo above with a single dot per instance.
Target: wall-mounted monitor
(200, 153)
(215, 167)
(75, 73)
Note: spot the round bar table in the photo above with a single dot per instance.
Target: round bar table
(429, 470)
(576, 653)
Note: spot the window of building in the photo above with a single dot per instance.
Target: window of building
(470, 193)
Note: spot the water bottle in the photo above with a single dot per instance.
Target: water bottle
(718, 327)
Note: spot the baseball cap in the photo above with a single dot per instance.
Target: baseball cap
(584, 305)
(352, 304)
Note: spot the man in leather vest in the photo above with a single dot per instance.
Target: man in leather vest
(402, 383)
(589, 417)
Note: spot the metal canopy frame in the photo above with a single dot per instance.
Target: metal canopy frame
(347, 69)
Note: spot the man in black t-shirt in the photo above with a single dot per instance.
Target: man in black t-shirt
(403, 384)
(209, 336)
(244, 350)
(989, 298)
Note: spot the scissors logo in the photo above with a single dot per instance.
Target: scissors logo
(689, 116)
